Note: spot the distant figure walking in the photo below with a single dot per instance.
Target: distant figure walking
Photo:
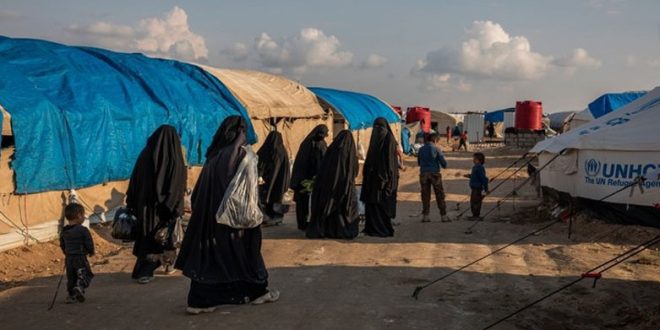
(224, 262)
(380, 181)
(431, 160)
(155, 196)
(275, 170)
(463, 142)
(334, 200)
(307, 166)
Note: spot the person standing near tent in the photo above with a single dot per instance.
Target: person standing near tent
(448, 135)
(463, 142)
(380, 181)
(223, 260)
(334, 202)
(155, 196)
(431, 160)
(478, 184)
(491, 130)
(305, 168)
(275, 171)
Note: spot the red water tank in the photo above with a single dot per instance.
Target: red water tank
(529, 115)
(398, 110)
(420, 114)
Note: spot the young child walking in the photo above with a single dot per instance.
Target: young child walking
(478, 184)
(76, 243)
(431, 160)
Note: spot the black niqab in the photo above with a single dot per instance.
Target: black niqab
(381, 167)
(334, 201)
(230, 128)
(273, 169)
(213, 253)
(158, 183)
(308, 160)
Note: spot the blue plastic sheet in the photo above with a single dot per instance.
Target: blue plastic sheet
(360, 110)
(80, 116)
(497, 116)
(609, 102)
(405, 140)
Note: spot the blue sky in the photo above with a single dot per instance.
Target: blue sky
(449, 55)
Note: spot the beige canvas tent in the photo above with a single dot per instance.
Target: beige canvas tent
(275, 102)
(440, 120)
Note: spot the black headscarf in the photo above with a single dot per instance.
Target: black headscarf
(334, 202)
(158, 182)
(273, 168)
(211, 252)
(310, 154)
(381, 167)
(228, 131)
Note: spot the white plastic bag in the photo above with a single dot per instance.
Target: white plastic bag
(240, 205)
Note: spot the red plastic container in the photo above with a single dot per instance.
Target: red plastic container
(529, 115)
(420, 114)
(398, 110)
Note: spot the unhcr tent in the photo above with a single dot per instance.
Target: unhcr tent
(274, 102)
(357, 112)
(557, 120)
(606, 155)
(79, 117)
(603, 105)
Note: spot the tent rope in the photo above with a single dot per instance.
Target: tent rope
(595, 273)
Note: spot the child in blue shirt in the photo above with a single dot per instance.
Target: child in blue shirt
(478, 184)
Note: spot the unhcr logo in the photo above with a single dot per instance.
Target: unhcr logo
(592, 167)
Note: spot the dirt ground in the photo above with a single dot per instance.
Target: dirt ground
(367, 283)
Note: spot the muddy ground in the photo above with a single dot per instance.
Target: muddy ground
(367, 283)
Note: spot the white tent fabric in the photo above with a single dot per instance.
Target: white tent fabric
(608, 154)
(631, 128)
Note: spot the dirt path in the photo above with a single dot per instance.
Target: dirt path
(367, 283)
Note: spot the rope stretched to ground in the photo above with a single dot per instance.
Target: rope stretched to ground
(419, 289)
(588, 274)
(57, 290)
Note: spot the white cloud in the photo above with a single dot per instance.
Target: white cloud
(295, 54)
(168, 36)
(631, 60)
(579, 59)
(238, 52)
(373, 61)
(489, 52)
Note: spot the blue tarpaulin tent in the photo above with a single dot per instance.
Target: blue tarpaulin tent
(360, 110)
(609, 102)
(80, 116)
(497, 116)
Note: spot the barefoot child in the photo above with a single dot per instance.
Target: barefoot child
(478, 183)
(76, 243)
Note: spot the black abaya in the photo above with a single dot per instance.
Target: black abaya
(155, 195)
(380, 181)
(224, 264)
(334, 201)
(306, 167)
(274, 170)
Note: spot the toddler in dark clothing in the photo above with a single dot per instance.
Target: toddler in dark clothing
(76, 243)
(478, 184)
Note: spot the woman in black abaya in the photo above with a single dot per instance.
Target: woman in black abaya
(380, 181)
(334, 201)
(305, 168)
(274, 170)
(224, 264)
(155, 196)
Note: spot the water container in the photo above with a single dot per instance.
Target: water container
(529, 115)
(420, 114)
